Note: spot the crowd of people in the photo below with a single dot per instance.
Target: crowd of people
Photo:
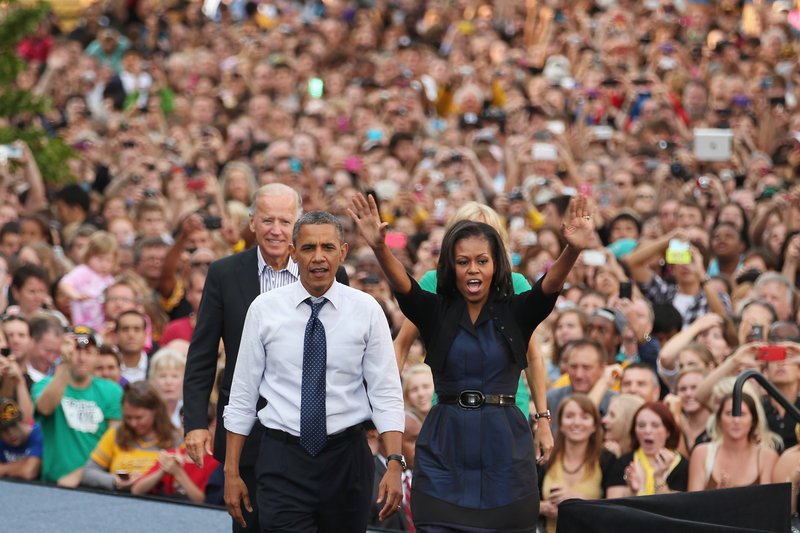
(678, 120)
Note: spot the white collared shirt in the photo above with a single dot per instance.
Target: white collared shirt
(270, 363)
(135, 373)
(269, 279)
(35, 375)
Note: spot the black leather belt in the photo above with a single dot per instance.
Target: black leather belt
(332, 439)
(475, 399)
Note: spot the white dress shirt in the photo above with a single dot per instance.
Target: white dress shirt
(270, 363)
(269, 279)
(135, 373)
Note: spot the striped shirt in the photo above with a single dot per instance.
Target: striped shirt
(272, 279)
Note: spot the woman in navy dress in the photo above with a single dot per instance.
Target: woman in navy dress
(474, 467)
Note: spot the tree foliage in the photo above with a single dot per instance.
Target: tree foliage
(19, 106)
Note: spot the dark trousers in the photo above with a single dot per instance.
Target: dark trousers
(248, 475)
(329, 493)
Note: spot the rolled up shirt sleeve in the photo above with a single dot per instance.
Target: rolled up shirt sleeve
(240, 414)
(382, 376)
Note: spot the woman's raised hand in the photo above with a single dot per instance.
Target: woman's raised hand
(365, 214)
(578, 228)
(661, 463)
(634, 476)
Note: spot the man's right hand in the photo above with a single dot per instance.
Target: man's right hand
(68, 348)
(198, 445)
(235, 495)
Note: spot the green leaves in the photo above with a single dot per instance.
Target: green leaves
(20, 105)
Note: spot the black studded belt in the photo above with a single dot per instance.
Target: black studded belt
(475, 399)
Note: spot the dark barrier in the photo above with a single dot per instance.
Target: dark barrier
(746, 509)
(767, 386)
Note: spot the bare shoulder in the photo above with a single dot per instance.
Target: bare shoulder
(700, 451)
(771, 456)
(786, 463)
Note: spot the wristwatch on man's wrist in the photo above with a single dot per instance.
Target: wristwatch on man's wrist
(397, 457)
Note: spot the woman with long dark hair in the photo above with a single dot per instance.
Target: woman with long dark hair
(129, 450)
(474, 463)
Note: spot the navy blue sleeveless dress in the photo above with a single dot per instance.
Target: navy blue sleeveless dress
(475, 470)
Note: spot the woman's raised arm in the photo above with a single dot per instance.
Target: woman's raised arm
(364, 213)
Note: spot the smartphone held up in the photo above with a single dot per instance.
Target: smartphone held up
(678, 253)
(772, 354)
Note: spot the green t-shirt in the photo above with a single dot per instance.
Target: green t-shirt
(520, 284)
(73, 430)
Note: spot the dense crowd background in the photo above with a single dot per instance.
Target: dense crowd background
(178, 111)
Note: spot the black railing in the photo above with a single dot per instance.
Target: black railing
(769, 387)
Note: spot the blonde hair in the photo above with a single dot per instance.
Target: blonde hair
(419, 369)
(627, 405)
(244, 168)
(166, 359)
(48, 260)
(763, 435)
(477, 212)
(101, 242)
(237, 211)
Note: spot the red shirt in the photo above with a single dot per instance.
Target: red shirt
(33, 49)
(199, 476)
(180, 328)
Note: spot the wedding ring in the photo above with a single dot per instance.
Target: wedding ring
(587, 217)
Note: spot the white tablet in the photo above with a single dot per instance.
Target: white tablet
(712, 144)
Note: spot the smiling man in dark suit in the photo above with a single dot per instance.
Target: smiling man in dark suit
(231, 286)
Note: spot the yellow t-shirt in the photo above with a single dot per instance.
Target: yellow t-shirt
(590, 487)
(138, 460)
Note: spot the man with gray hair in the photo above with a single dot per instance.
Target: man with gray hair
(231, 286)
(776, 289)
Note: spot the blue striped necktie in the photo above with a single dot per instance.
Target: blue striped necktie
(313, 430)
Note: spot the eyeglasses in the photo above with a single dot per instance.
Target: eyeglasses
(200, 263)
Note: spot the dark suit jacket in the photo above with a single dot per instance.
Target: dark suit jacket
(396, 522)
(231, 286)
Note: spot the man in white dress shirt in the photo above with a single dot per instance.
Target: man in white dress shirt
(321, 354)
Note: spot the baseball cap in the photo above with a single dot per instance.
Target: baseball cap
(84, 335)
(613, 316)
(10, 413)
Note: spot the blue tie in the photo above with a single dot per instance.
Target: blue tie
(313, 431)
